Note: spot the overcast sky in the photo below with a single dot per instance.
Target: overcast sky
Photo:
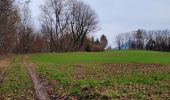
(117, 16)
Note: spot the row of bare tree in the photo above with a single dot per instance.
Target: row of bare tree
(8, 25)
(66, 25)
(158, 40)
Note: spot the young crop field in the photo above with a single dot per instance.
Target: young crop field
(84, 76)
(106, 75)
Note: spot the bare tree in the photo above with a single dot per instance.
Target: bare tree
(63, 18)
(119, 41)
(151, 40)
(82, 20)
(54, 19)
(25, 28)
(8, 19)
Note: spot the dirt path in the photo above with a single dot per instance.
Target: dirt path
(40, 91)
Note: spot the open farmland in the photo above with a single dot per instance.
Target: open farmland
(84, 50)
(86, 76)
(105, 75)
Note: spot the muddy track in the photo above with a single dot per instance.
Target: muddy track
(40, 91)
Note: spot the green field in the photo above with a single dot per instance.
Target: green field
(89, 75)
(107, 56)
(109, 74)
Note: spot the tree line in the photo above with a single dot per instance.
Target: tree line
(66, 25)
(158, 40)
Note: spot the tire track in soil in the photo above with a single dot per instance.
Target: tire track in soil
(40, 91)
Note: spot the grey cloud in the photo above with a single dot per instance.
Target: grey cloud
(117, 16)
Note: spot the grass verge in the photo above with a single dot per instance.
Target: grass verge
(16, 84)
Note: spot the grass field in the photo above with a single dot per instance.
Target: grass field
(89, 75)
(106, 75)
(108, 56)
(16, 84)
